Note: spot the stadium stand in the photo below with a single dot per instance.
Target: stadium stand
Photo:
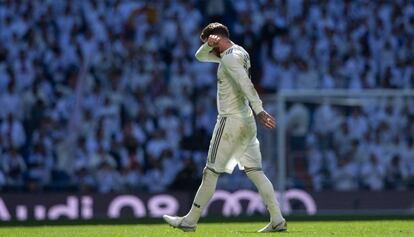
(105, 95)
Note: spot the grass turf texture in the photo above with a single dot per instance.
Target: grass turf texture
(296, 228)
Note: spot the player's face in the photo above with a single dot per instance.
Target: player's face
(215, 50)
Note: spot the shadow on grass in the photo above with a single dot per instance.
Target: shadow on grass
(279, 233)
(245, 219)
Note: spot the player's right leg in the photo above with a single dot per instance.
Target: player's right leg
(265, 188)
(252, 163)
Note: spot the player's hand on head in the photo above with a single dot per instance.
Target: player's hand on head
(267, 120)
(213, 40)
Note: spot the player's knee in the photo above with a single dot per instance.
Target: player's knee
(209, 172)
(250, 171)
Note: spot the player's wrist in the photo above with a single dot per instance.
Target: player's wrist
(258, 110)
(207, 45)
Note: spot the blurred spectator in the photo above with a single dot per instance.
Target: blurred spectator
(14, 167)
(85, 180)
(40, 165)
(107, 178)
(100, 157)
(373, 173)
(345, 177)
(315, 162)
(396, 173)
(12, 132)
(2, 179)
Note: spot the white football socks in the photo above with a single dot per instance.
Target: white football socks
(204, 194)
(265, 188)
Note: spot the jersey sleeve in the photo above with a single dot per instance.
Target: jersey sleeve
(203, 54)
(233, 63)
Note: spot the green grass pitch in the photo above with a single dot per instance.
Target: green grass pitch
(296, 228)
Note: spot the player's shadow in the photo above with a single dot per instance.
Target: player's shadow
(255, 232)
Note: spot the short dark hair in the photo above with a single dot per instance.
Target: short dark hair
(214, 28)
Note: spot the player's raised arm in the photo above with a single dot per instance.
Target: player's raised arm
(233, 64)
(206, 54)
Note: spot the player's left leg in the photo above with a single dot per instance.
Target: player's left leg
(230, 135)
(204, 194)
(251, 161)
(219, 156)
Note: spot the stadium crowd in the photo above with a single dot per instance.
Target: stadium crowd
(366, 147)
(107, 96)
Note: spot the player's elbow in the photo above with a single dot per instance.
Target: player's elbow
(198, 57)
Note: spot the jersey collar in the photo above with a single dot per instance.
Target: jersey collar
(224, 52)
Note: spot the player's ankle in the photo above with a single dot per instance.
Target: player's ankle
(189, 222)
(277, 221)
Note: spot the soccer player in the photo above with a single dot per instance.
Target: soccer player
(234, 140)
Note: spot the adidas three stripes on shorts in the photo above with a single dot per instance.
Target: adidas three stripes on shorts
(234, 142)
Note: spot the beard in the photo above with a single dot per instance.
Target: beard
(216, 51)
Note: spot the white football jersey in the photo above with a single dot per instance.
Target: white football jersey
(235, 90)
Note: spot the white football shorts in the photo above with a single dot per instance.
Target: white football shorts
(234, 142)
